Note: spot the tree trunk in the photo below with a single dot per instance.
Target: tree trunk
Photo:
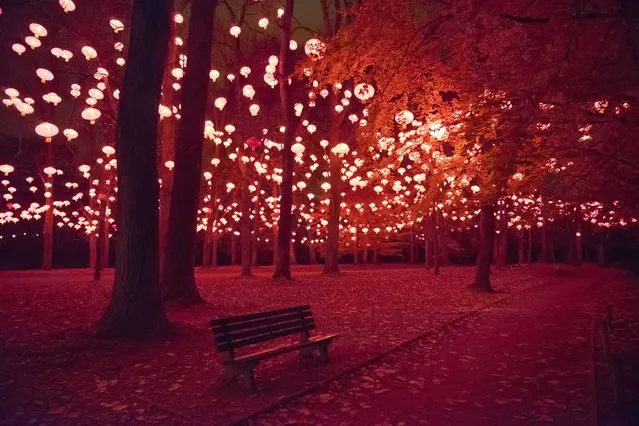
(136, 308)
(47, 232)
(376, 260)
(254, 251)
(530, 241)
(435, 233)
(484, 258)
(178, 269)
(579, 249)
(364, 257)
(331, 261)
(443, 241)
(275, 232)
(503, 244)
(97, 267)
(427, 243)
(411, 247)
(245, 223)
(311, 255)
(214, 250)
(521, 258)
(92, 250)
(601, 255)
(283, 265)
(233, 249)
(167, 140)
(544, 256)
(206, 248)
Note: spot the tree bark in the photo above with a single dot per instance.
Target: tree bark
(601, 255)
(331, 261)
(484, 258)
(521, 258)
(283, 265)
(311, 255)
(245, 224)
(233, 249)
(167, 141)
(47, 231)
(214, 250)
(136, 309)
(376, 260)
(92, 250)
(254, 251)
(443, 241)
(530, 241)
(178, 269)
(435, 233)
(544, 255)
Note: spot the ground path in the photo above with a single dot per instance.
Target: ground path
(525, 361)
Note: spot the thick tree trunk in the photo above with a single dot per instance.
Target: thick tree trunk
(178, 269)
(167, 141)
(376, 260)
(283, 265)
(206, 249)
(136, 308)
(427, 243)
(275, 232)
(97, 267)
(484, 258)
(411, 247)
(331, 260)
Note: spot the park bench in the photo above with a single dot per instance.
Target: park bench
(232, 333)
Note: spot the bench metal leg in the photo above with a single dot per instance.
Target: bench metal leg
(249, 379)
(323, 351)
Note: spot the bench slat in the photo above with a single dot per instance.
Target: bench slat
(234, 337)
(239, 318)
(282, 349)
(221, 329)
(225, 347)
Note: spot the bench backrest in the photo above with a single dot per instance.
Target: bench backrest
(235, 332)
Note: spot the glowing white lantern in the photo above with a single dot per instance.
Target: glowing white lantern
(214, 75)
(254, 109)
(11, 92)
(340, 149)
(298, 148)
(18, 48)
(32, 42)
(263, 23)
(116, 25)
(108, 150)
(50, 171)
(475, 189)
(91, 114)
(6, 169)
(323, 143)
(169, 165)
(314, 48)
(56, 51)
(404, 118)
(364, 91)
(325, 186)
(292, 45)
(235, 31)
(44, 75)
(47, 131)
(84, 168)
(67, 5)
(220, 103)
(37, 30)
(89, 52)
(178, 18)
(164, 112)
(70, 134)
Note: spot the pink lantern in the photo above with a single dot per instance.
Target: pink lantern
(253, 142)
(91, 114)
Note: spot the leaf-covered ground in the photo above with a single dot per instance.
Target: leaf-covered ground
(527, 361)
(54, 371)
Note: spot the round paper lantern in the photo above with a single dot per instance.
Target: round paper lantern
(340, 149)
(37, 30)
(89, 52)
(254, 109)
(47, 131)
(50, 171)
(235, 31)
(44, 75)
(364, 91)
(67, 5)
(108, 150)
(220, 103)
(116, 25)
(6, 169)
(169, 165)
(32, 42)
(70, 134)
(11, 92)
(298, 148)
(314, 48)
(18, 48)
(91, 114)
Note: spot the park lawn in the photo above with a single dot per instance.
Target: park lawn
(54, 370)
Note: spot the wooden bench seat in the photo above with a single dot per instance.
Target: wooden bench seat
(232, 333)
